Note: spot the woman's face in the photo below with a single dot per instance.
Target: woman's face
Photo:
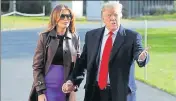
(65, 18)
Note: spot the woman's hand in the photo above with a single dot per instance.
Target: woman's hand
(68, 87)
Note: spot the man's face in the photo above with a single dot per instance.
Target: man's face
(111, 17)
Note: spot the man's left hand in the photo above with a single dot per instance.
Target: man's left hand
(143, 54)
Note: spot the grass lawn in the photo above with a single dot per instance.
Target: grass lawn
(161, 69)
(157, 17)
(18, 22)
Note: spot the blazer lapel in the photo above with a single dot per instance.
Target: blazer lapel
(118, 42)
(69, 48)
(96, 40)
(53, 44)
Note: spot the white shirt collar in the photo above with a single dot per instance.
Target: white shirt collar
(107, 31)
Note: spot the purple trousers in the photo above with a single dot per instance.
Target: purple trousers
(54, 81)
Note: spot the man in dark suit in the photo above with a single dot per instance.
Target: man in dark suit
(107, 55)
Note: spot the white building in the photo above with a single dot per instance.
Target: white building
(92, 9)
(76, 6)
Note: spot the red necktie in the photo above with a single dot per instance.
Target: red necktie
(103, 73)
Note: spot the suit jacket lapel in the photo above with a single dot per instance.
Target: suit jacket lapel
(118, 42)
(96, 40)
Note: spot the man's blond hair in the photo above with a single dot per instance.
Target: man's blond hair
(112, 5)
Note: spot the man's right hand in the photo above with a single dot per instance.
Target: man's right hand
(68, 87)
(42, 97)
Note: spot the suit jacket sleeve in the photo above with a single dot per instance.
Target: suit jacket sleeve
(80, 67)
(137, 49)
(38, 65)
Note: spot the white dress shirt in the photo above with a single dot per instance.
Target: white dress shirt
(105, 37)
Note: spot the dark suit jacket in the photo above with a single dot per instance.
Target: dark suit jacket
(127, 47)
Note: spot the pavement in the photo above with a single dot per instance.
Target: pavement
(16, 64)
